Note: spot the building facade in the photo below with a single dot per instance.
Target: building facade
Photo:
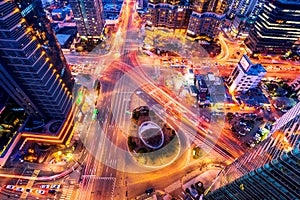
(35, 16)
(296, 86)
(245, 76)
(197, 17)
(270, 170)
(89, 17)
(246, 8)
(205, 24)
(276, 29)
(216, 6)
(28, 72)
(279, 179)
(169, 15)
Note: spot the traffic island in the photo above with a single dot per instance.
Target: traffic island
(152, 143)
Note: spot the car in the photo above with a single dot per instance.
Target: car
(10, 187)
(250, 144)
(55, 186)
(257, 137)
(247, 129)
(138, 92)
(241, 133)
(51, 191)
(19, 189)
(268, 108)
(41, 191)
(243, 123)
(28, 190)
(45, 186)
(149, 191)
(194, 193)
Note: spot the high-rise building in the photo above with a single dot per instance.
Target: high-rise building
(47, 3)
(201, 6)
(35, 16)
(246, 8)
(89, 17)
(29, 74)
(270, 170)
(245, 76)
(206, 24)
(216, 6)
(276, 29)
(170, 15)
(198, 17)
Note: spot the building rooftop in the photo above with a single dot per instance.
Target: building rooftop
(62, 38)
(256, 69)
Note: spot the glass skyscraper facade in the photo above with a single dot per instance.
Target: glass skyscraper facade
(276, 29)
(278, 179)
(270, 170)
(33, 69)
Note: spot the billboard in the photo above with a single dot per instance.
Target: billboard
(245, 63)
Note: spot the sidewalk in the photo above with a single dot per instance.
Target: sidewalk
(206, 178)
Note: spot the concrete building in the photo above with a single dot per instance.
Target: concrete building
(89, 17)
(270, 170)
(245, 76)
(216, 6)
(198, 17)
(276, 29)
(169, 15)
(205, 24)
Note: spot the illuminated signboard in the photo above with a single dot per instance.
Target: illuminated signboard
(244, 63)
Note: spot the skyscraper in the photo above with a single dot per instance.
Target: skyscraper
(216, 6)
(276, 29)
(279, 179)
(245, 75)
(270, 170)
(246, 8)
(171, 14)
(35, 16)
(206, 24)
(29, 74)
(89, 17)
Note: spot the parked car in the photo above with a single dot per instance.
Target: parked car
(41, 191)
(10, 187)
(250, 144)
(55, 186)
(149, 191)
(19, 189)
(51, 191)
(242, 133)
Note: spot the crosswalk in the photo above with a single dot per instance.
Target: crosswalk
(30, 184)
(67, 192)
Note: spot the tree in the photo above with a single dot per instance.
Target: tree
(131, 144)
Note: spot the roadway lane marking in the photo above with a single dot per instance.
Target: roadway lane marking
(100, 177)
(113, 189)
